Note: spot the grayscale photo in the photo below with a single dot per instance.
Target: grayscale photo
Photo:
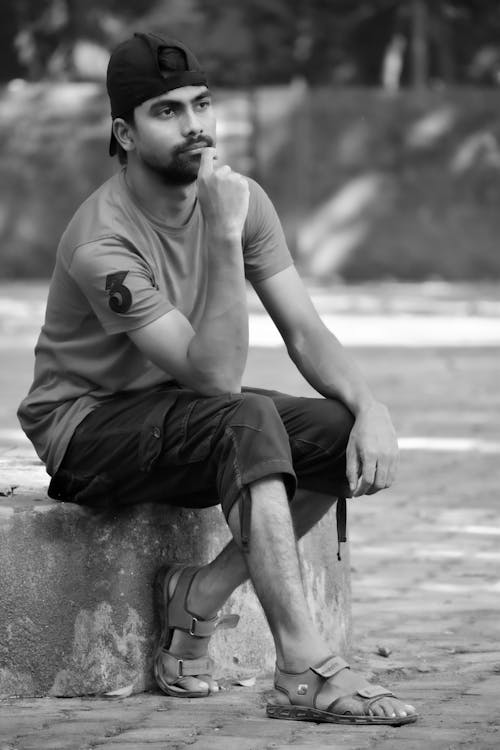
(249, 401)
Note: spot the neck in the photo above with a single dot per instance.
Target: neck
(173, 204)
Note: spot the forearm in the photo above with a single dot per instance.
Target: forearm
(218, 351)
(330, 369)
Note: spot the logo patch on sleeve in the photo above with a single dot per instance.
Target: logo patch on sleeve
(120, 296)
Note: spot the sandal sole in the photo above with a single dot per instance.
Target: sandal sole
(299, 713)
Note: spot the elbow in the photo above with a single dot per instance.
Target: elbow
(296, 345)
(214, 376)
(222, 383)
(222, 389)
(216, 383)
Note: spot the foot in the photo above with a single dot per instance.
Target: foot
(181, 663)
(347, 682)
(332, 692)
(186, 646)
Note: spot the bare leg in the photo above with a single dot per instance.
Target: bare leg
(274, 570)
(273, 566)
(216, 581)
(273, 555)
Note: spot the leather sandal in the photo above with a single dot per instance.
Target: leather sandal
(311, 699)
(169, 669)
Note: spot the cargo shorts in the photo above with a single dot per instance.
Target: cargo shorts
(174, 446)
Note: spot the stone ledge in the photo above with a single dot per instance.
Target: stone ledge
(76, 593)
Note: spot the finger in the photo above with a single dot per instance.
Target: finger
(352, 468)
(380, 479)
(393, 470)
(224, 170)
(367, 476)
(385, 474)
(362, 487)
(208, 157)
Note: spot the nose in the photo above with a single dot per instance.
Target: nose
(190, 123)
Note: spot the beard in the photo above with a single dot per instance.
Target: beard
(183, 166)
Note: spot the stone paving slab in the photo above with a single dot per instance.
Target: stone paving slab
(442, 641)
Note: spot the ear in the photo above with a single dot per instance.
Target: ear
(123, 133)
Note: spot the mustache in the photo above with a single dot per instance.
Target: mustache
(202, 140)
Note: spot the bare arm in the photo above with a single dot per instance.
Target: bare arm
(329, 368)
(211, 359)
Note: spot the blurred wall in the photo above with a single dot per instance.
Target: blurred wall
(368, 185)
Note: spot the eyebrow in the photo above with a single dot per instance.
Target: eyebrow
(175, 103)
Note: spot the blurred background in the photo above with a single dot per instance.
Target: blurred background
(373, 125)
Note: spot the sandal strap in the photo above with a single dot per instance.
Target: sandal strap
(309, 689)
(302, 688)
(229, 621)
(374, 692)
(330, 667)
(359, 702)
(177, 668)
(181, 619)
(206, 628)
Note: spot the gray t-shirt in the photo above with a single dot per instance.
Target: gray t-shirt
(117, 269)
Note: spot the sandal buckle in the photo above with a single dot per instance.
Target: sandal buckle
(192, 629)
(180, 664)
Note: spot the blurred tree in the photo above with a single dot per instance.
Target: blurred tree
(10, 65)
(417, 42)
(439, 40)
(45, 33)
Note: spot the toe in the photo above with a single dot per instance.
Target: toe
(195, 684)
(390, 709)
(381, 709)
(386, 708)
(208, 680)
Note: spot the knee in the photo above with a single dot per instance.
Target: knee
(340, 418)
(331, 421)
(256, 411)
(254, 430)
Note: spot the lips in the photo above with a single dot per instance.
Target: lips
(195, 146)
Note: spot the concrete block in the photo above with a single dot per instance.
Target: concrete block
(76, 615)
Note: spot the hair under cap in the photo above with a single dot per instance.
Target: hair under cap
(134, 73)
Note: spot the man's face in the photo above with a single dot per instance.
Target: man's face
(171, 130)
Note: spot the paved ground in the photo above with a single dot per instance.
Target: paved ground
(426, 585)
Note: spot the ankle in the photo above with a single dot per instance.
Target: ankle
(203, 599)
(301, 656)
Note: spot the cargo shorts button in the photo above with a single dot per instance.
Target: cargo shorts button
(156, 432)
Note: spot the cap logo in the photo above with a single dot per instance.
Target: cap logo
(172, 59)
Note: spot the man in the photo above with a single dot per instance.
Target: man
(137, 393)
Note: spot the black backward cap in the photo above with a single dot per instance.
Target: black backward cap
(134, 73)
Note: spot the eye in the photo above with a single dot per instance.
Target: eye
(204, 104)
(166, 112)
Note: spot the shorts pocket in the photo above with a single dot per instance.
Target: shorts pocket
(93, 491)
(201, 421)
(151, 439)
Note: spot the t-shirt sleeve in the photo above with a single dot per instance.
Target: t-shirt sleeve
(265, 248)
(118, 284)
